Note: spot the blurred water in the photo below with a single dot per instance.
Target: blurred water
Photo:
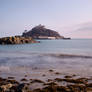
(67, 55)
(77, 46)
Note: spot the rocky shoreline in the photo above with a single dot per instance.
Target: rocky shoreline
(69, 83)
(17, 40)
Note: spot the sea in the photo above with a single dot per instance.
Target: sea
(67, 56)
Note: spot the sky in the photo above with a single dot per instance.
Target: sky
(71, 18)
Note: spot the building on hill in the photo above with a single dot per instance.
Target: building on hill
(40, 32)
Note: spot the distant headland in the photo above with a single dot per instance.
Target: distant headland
(38, 32)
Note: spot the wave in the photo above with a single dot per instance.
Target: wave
(68, 55)
(27, 54)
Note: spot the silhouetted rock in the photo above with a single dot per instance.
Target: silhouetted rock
(40, 32)
(16, 40)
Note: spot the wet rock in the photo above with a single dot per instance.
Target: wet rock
(68, 76)
(49, 80)
(37, 90)
(5, 87)
(16, 40)
(59, 79)
(73, 75)
(12, 81)
(79, 80)
(43, 75)
(10, 77)
(2, 79)
(51, 83)
(25, 75)
(54, 88)
(51, 70)
(77, 88)
(37, 81)
(89, 85)
(57, 73)
(24, 79)
(23, 88)
(50, 88)
(13, 89)
(63, 89)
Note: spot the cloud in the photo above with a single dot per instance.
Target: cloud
(83, 30)
(84, 27)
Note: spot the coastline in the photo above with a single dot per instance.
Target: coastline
(45, 81)
(41, 79)
(47, 69)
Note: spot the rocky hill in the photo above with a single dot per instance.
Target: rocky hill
(41, 31)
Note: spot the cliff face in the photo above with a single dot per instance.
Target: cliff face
(41, 31)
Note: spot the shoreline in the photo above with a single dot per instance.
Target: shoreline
(48, 81)
(44, 72)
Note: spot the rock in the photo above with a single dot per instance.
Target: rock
(63, 89)
(53, 88)
(37, 81)
(57, 73)
(89, 85)
(10, 77)
(49, 80)
(59, 79)
(43, 75)
(25, 75)
(50, 88)
(68, 76)
(12, 81)
(21, 87)
(37, 90)
(50, 83)
(24, 79)
(17, 40)
(71, 80)
(51, 70)
(5, 87)
(77, 88)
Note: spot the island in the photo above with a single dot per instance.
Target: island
(40, 32)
